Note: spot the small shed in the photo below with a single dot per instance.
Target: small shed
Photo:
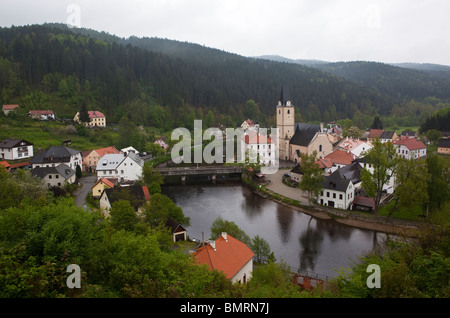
(364, 204)
(179, 233)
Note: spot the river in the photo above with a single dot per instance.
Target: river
(303, 242)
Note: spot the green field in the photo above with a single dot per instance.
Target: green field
(46, 134)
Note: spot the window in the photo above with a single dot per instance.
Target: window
(328, 194)
(289, 111)
(320, 148)
(340, 196)
(334, 195)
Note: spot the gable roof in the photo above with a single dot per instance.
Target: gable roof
(257, 138)
(341, 157)
(63, 170)
(304, 134)
(95, 114)
(11, 143)
(110, 161)
(174, 226)
(109, 182)
(410, 143)
(107, 150)
(41, 112)
(10, 107)
(374, 133)
(340, 179)
(387, 134)
(443, 143)
(297, 169)
(228, 256)
(54, 154)
(139, 194)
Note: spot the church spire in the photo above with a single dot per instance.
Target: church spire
(285, 99)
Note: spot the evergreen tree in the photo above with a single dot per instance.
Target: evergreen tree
(377, 123)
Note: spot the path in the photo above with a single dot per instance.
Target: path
(86, 186)
(276, 185)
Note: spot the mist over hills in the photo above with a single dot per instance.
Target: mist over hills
(186, 80)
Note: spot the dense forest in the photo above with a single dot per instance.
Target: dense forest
(166, 84)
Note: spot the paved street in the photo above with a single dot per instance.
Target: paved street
(86, 185)
(276, 185)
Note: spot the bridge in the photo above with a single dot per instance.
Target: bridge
(209, 170)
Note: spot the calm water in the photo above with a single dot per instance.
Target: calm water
(303, 242)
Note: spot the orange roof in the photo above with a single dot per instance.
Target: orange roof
(107, 182)
(5, 164)
(324, 163)
(257, 138)
(10, 107)
(340, 157)
(146, 193)
(229, 255)
(103, 151)
(95, 114)
(410, 143)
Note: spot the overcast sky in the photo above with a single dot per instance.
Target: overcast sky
(333, 30)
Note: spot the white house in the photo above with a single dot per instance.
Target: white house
(341, 187)
(410, 148)
(129, 149)
(389, 186)
(229, 256)
(42, 114)
(124, 167)
(255, 144)
(140, 195)
(355, 146)
(13, 149)
(55, 176)
(56, 155)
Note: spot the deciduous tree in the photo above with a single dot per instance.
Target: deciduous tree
(312, 178)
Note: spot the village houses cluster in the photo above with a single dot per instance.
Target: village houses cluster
(341, 160)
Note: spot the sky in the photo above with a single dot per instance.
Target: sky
(389, 31)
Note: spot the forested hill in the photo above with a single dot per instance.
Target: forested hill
(168, 83)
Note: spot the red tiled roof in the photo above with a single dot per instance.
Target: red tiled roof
(229, 256)
(146, 193)
(5, 164)
(41, 112)
(103, 151)
(364, 201)
(10, 107)
(374, 133)
(95, 114)
(340, 157)
(410, 143)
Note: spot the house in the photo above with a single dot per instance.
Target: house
(363, 204)
(96, 119)
(444, 146)
(335, 160)
(307, 139)
(249, 125)
(21, 165)
(91, 158)
(410, 148)
(356, 146)
(388, 136)
(13, 149)
(340, 187)
(137, 195)
(256, 144)
(42, 114)
(178, 232)
(129, 149)
(374, 134)
(57, 155)
(229, 256)
(160, 141)
(6, 109)
(389, 186)
(297, 173)
(124, 167)
(101, 185)
(409, 133)
(55, 176)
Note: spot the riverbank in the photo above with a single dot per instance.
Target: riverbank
(351, 218)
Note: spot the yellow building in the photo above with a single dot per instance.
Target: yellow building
(101, 185)
(96, 119)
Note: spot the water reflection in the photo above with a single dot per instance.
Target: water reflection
(301, 241)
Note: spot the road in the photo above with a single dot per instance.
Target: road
(276, 185)
(86, 186)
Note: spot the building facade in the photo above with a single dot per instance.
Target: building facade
(13, 149)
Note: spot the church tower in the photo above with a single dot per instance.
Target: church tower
(285, 122)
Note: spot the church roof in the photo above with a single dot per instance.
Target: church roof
(304, 133)
(284, 96)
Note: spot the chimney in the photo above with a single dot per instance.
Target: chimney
(224, 235)
(213, 244)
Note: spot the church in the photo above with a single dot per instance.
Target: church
(296, 138)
